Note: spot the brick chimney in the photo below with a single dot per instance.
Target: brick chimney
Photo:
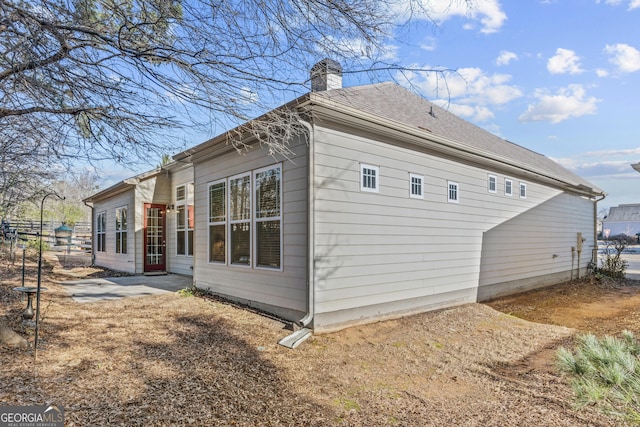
(326, 75)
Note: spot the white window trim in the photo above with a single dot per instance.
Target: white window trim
(118, 250)
(255, 220)
(523, 186)
(102, 231)
(376, 169)
(225, 222)
(510, 193)
(230, 222)
(421, 178)
(184, 201)
(495, 183)
(449, 199)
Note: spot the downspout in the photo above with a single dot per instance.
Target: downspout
(93, 237)
(306, 320)
(298, 337)
(594, 254)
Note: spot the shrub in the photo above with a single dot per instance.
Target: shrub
(613, 265)
(605, 372)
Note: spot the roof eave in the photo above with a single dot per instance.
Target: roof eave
(122, 186)
(423, 138)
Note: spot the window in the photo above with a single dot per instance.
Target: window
(453, 192)
(268, 217)
(184, 219)
(240, 219)
(101, 231)
(246, 230)
(416, 190)
(218, 222)
(492, 184)
(369, 178)
(121, 230)
(508, 187)
(523, 190)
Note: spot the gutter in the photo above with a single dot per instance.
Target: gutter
(299, 336)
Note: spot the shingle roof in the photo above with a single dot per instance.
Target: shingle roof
(393, 102)
(625, 213)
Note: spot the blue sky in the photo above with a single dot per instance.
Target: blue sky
(558, 77)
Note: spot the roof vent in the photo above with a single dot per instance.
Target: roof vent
(432, 113)
(326, 75)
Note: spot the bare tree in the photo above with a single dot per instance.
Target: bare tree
(111, 78)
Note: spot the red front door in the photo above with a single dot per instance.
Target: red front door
(154, 238)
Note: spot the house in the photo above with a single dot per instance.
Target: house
(145, 224)
(623, 219)
(386, 206)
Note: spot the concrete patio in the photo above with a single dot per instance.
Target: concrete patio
(93, 290)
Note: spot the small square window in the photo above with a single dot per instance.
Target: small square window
(369, 180)
(508, 187)
(492, 184)
(523, 190)
(453, 192)
(416, 188)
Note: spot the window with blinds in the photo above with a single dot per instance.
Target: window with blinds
(240, 219)
(245, 219)
(217, 222)
(268, 217)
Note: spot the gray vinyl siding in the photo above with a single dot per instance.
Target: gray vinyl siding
(377, 254)
(179, 264)
(281, 292)
(534, 248)
(109, 258)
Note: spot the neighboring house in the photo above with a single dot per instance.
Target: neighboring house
(388, 206)
(623, 219)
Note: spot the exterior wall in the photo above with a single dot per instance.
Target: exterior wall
(615, 228)
(539, 247)
(156, 189)
(283, 293)
(382, 255)
(109, 258)
(180, 264)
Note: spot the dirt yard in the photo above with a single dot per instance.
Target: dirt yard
(189, 360)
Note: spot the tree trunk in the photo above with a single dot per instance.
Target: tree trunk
(10, 338)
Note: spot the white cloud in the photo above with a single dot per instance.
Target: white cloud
(600, 72)
(625, 57)
(488, 12)
(469, 92)
(564, 61)
(477, 113)
(633, 4)
(429, 44)
(506, 57)
(569, 102)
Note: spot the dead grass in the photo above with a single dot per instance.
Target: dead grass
(174, 360)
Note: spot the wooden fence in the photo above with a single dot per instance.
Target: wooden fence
(24, 230)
